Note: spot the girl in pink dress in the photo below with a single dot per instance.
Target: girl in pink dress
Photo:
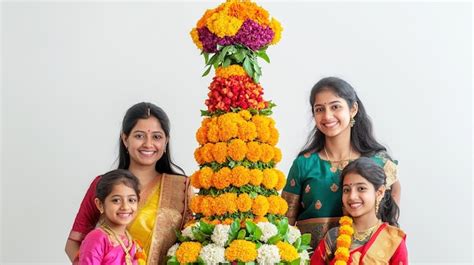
(117, 196)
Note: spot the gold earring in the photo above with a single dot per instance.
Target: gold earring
(377, 205)
(352, 122)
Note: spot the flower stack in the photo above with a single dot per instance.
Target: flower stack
(239, 217)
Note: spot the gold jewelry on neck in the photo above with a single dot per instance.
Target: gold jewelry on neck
(338, 164)
(110, 232)
(363, 235)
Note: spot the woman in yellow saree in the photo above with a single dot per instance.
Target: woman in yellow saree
(144, 150)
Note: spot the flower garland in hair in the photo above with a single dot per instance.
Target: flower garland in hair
(343, 241)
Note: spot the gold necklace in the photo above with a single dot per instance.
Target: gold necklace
(338, 164)
(110, 232)
(361, 236)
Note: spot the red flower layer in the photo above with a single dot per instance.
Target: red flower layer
(237, 91)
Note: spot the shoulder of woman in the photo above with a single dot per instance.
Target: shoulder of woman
(175, 176)
(96, 235)
(395, 231)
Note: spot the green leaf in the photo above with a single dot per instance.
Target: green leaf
(206, 57)
(295, 262)
(206, 228)
(297, 243)
(227, 62)
(248, 67)
(283, 227)
(250, 226)
(306, 239)
(241, 234)
(180, 237)
(239, 56)
(172, 261)
(274, 239)
(258, 233)
(206, 72)
(201, 261)
(213, 59)
(264, 56)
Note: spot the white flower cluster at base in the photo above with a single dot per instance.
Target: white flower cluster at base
(268, 230)
(268, 254)
(220, 235)
(294, 234)
(212, 254)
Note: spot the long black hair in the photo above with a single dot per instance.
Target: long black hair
(388, 210)
(362, 138)
(144, 110)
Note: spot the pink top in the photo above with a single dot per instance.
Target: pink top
(97, 249)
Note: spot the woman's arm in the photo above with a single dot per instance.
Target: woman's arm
(72, 249)
(396, 192)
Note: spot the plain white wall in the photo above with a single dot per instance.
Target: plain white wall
(70, 71)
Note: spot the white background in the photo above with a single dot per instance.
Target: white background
(70, 71)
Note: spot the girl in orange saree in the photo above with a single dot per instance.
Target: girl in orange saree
(370, 233)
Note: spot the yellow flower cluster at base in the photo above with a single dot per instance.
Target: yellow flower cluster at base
(287, 251)
(241, 250)
(188, 252)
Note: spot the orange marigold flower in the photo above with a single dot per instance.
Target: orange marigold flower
(274, 136)
(230, 70)
(219, 152)
(267, 153)
(237, 149)
(230, 202)
(342, 254)
(205, 177)
(201, 135)
(263, 134)
(247, 131)
(245, 114)
(241, 250)
(195, 180)
(213, 132)
(343, 241)
(188, 252)
(254, 151)
(220, 205)
(195, 204)
(274, 201)
(240, 176)
(203, 20)
(227, 130)
(222, 178)
(346, 230)
(281, 180)
(207, 206)
(277, 154)
(206, 152)
(227, 221)
(195, 36)
(244, 202)
(283, 206)
(256, 177)
(287, 251)
(270, 178)
(345, 220)
(260, 219)
(198, 157)
(260, 206)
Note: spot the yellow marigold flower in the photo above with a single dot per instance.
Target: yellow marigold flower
(198, 157)
(283, 206)
(195, 204)
(206, 121)
(195, 36)
(227, 130)
(240, 176)
(220, 205)
(260, 206)
(263, 134)
(288, 253)
(345, 220)
(201, 135)
(237, 149)
(241, 250)
(227, 221)
(276, 154)
(342, 254)
(340, 262)
(275, 203)
(245, 114)
(219, 152)
(195, 180)
(254, 151)
(249, 10)
(247, 131)
(203, 20)
(222, 178)
(343, 241)
(281, 180)
(206, 152)
(256, 177)
(207, 206)
(274, 136)
(188, 252)
(213, 132)
(205, 177)
(230, 70)
(261, 121)
(230, 202)
(267, 153)
(270, 178)
(215, 222)
(260, 219)
(244, 202)
(346, 230)
(277, 29)
(223, 25)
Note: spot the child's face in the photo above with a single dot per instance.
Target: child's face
(359, 195)
(120, 206)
